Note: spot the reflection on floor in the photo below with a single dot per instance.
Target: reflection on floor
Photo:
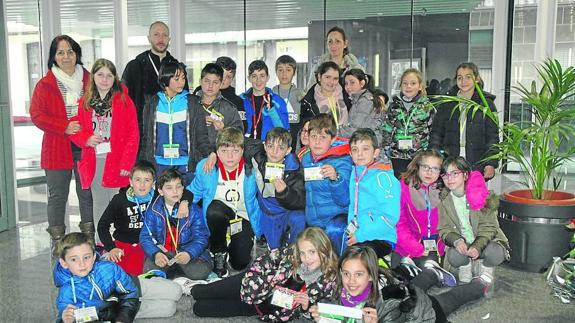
(27, 293)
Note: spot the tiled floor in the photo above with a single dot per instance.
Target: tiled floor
(27, 293)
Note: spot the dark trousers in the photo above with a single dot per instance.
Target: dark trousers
(240, 248)
(58, 182)
(381, 248)
(446, 303)
(221, 299)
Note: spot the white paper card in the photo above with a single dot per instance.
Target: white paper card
(274, 171)
(338, 310)
(86, 314)
(235, 226)
(283, 297)
(312, 173)
(103, 148)
(405, 144)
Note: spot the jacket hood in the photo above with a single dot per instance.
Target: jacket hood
(339, 148)
(179, 97)
(476, 191)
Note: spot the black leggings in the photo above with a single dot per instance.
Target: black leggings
(221, 299)
(446, 303)
(240, 248)
(381, 248)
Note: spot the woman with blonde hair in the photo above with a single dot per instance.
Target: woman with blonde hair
(304, 273)
(109, 136)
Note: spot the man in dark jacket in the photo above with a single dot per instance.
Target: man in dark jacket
(141, 74)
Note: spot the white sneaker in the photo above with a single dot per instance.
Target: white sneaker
(488, 282)
(444, 276)
(465, 273)
(186, 284)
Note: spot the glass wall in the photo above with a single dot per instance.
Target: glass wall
(140, 15)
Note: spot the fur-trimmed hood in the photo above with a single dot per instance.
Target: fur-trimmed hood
(476, 192)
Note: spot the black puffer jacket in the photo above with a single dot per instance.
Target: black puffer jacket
(481, 132)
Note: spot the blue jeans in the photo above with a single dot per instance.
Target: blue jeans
(334, 228)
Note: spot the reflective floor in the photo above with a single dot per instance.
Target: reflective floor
(27, 293)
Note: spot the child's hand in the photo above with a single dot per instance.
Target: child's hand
(183, 210)
(473, 253)
(461, 246)
(329, 172)
(279, 185)
(93, 141)
(351, 240)
(301, 299)
(369, 315)
(314, 313)
(183, 258)
(161, 260)
(210, 163)
(68, 314)
(115, 255)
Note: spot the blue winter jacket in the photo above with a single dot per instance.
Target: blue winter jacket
(378, 203)
(105, 279)
(276, 116)
(193, 231)
(204, 188)
(325, 198)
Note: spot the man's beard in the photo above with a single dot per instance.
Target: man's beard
(157, 50)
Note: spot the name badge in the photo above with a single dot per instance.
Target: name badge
(283, 297)
(430, 245)
(172, 261)
(171, 151)
(312, 173)
(86, 314)
(235, 226)
(103, 148)
(405, 142)
(274, 171)
(351, 228)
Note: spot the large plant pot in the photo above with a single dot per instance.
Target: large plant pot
(536, 228)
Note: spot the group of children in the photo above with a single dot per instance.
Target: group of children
(308, 179)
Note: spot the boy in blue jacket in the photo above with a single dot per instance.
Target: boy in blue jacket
(374, 195)
(264, 109)
(170, 242)
(228, 193)
(86, 285)
(327, 167)
(281, 192)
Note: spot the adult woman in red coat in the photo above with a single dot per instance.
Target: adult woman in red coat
(54, 103)
(109, 136)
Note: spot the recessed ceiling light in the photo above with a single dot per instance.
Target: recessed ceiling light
(458, 29)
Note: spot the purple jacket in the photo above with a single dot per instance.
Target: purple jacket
(412, 227)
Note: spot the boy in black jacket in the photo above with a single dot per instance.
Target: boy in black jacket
(281, 194)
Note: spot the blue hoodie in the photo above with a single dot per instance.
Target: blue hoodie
(379, 195)
(325, 199)
(105, 279)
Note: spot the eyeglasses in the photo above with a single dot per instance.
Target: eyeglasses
(453, 173)
(427, 168)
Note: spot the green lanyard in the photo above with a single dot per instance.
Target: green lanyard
(171, 124)
(407, 121)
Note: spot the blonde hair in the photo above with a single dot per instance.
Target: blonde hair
(317, 237)
(92, 90)
(419, 77)
(230, 137)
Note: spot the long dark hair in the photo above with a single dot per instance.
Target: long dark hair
(369, 260)
(368, 79)
(474, 69)
(324, 67)
(54, 48)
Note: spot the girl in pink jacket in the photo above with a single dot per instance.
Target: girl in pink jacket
(417, 235)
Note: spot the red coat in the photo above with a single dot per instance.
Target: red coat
(48, 112)
(124, 139)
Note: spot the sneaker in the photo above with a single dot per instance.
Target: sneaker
(465, 273)
(446, 278)
(488, 282)
(409, 267)
(220, 264)
(187, 284)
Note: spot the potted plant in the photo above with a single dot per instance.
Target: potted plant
(533, 218)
